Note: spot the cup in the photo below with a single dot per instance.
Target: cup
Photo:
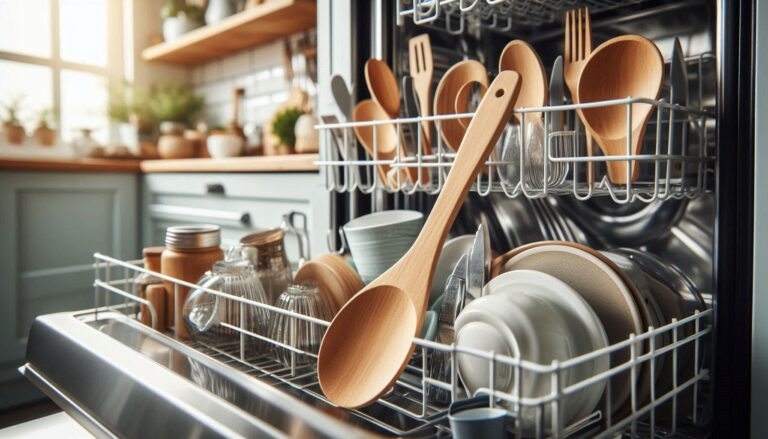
(478, 422)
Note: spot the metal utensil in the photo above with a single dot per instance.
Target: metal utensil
(342, 94)
(679, 95)
(411, 108)
(453, 296)
(479, 264)
(556, 94)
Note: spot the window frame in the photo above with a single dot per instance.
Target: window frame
(113, 71)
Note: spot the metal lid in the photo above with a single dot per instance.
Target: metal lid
(261, 238)
(193, 236)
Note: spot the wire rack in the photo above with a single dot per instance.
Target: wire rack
(418, 403)
(498, 15)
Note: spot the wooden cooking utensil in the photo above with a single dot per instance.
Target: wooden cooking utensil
(520, 57)
(234, 124)
(387, 141)
(463, 98)
(420, 65)
(454, 80)
(578, 46)
(336, 281)
(368, 343)
(629, 65)
(383, 86)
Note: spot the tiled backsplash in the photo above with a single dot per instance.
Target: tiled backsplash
(260, 71)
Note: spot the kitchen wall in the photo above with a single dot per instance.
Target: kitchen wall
(260, 71)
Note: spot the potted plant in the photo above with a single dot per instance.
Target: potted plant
(175, 105)
(218, 10)
(284, 128)
(180, 18)
(128, 108)
(14, 131)
(44, 133)
(223, 142)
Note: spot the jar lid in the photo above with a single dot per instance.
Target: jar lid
(150, 252)
(261, 238)
(193, 236)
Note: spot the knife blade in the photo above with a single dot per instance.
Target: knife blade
(411, 107)
(679, 95)
(556, 94)
(477, 266)
(453, 295)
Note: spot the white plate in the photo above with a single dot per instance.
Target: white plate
(586, 330)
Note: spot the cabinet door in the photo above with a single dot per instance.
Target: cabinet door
(51, 224)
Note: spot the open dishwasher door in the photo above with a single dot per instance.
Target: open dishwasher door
(121, 379)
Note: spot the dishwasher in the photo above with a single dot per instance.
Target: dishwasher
(684, 218)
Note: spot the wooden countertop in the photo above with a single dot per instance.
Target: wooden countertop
(276, 163)
(68, 164)
(283, 163)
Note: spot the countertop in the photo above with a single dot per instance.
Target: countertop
(284, 163)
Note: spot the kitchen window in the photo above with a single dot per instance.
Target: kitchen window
(63, 55)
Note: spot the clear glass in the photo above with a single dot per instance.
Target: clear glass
(30, 85)
(25, 27)
(205, 313)
(84, 100)
(271, 264)
(297, 333)
(83, 31)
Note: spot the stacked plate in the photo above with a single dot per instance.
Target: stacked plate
(335, 279)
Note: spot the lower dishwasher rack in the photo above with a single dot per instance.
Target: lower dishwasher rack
(120, 378)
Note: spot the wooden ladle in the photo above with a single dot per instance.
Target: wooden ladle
(629, 65)
(383, 86)
(369, 343)
(520, 57)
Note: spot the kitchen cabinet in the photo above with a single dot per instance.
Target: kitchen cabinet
(239, 203)
(50, 225)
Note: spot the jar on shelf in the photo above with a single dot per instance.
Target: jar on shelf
(190, 251)
(144, 280)
(266, 251)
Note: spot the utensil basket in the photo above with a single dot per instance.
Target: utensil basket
(114, 290)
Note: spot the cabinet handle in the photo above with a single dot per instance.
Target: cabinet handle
(165, 210)
(214, 188)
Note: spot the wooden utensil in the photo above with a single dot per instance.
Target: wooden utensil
(368, 343)
(336, 281)
(386, 138)
(463, 98)
(383, 86)
(454, 80)
(578, 46)
(420, 65)
(237, 99)
(520, 57)
(628, 65)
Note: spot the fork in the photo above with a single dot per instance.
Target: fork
(578, 46)
(420, 65)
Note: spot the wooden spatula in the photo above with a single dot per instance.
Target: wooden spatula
(420, 65)
(369, 341)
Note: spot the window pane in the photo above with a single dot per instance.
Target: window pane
(32, 84)
(83, 30)
(25, 27)
(84, 105)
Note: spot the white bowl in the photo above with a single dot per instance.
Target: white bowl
(380, 239)
(224, 145)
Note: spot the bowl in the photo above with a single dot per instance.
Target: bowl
(380, 239)
(224, 145)
(172, 146)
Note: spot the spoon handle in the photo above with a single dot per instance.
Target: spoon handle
(483, 132)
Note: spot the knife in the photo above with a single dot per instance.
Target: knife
(411, 110)
(679, 82)
(478, 265)
(453, 296)
(556, 95)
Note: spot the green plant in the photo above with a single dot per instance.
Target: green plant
(284, 126)
(12, 110)
(128, 100)
(46, 117)
(174, 102)
(173, 8)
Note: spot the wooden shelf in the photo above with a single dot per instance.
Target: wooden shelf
(274, 163)
(257, 25)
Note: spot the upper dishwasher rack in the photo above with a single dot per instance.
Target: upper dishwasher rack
(494, 14)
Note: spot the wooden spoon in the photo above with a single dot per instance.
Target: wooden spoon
(454, 80)
(383, 86)
(520, 57)
(386, 135)
(628, 65)
(368, 343)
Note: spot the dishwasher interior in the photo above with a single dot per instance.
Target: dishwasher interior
(664, 220)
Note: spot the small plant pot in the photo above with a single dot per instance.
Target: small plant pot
(174, 27)
(45, 136)
(222, 145)
(175, 147)
(219, 10)
(14, 134)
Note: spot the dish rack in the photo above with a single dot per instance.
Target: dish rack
(497, 15)
(676, 160)
(411, 398)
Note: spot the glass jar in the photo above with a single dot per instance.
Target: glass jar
(190, 251)
(204, 312)
(266, 251)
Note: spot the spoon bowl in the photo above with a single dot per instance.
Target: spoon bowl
(522, 58)
(383, 86)
(385, 134)
(625, 66)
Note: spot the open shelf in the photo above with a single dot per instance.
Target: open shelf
(257, 25)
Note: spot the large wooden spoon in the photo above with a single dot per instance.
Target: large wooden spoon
(369, 341)
(628, 65)
(520, 57)
(383, 86)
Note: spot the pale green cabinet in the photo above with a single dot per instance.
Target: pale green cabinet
(50, 226)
